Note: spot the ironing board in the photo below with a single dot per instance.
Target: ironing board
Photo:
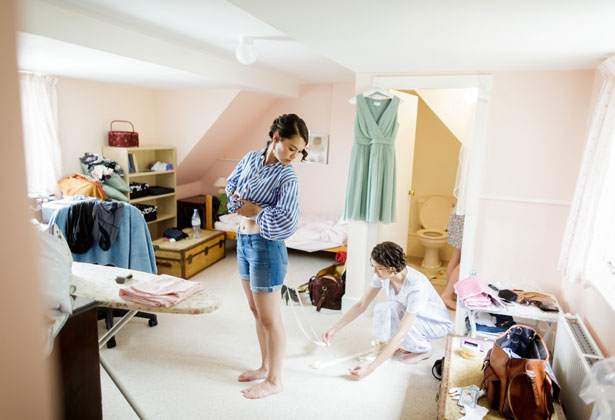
(98, 282)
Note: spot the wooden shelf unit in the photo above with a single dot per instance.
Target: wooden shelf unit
(143, 156)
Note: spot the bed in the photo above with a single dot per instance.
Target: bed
(314, 233)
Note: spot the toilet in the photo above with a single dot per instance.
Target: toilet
(433, 216)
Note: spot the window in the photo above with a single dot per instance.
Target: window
(39, 108)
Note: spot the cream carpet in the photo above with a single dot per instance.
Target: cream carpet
(186, 367)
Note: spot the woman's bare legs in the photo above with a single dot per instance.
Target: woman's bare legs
(452, 275)
(260, 373)
(270, 318)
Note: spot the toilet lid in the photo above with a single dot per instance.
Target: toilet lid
(435, 212)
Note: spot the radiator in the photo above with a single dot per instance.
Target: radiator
(575, 352)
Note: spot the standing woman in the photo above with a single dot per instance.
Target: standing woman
(263, 189)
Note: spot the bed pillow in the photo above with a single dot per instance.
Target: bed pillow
(223, 209)
(114, 193)
(117, 182)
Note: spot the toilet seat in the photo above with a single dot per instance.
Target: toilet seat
(431, 234)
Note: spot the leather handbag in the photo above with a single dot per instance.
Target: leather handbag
(327, 287)
(522, 387)
(123, 138)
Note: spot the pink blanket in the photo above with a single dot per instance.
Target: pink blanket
(472, 292)
(163, 291)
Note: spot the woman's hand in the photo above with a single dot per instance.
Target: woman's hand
(248, 209)
(360, 372)
(328, 336)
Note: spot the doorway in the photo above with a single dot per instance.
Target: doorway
(444, 122)
(363, 235)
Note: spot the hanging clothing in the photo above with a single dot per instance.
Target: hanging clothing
(370, 194)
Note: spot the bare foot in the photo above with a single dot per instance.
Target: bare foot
(252, 375)
(414, 358)
(261, 390)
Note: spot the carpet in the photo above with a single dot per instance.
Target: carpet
(187, 366)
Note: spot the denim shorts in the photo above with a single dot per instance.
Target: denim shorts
(261, 261)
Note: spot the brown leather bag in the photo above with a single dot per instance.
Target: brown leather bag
(327, 287)
(520, 388)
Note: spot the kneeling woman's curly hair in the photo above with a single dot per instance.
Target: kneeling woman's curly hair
(390, 255)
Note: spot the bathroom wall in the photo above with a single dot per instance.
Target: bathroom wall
(436, 153)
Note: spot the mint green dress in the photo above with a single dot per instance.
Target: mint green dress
(370, 193)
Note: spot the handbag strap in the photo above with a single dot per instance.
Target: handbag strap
(111, 125)
(322, 299)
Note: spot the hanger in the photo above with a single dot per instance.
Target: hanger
(375, 91)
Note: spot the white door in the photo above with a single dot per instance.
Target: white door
(404, 151)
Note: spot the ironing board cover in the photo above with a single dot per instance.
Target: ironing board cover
(98, 282)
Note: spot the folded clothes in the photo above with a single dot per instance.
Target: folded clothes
(163, 291)
(472, 292)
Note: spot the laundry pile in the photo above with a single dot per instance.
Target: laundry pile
(491, 323)
(163, 291)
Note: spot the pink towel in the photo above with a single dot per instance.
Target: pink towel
(472, 292)
(163, 291)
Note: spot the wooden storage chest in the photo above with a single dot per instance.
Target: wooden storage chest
(187, 257)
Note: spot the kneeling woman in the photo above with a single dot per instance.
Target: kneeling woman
(412, 315)
(263, 189)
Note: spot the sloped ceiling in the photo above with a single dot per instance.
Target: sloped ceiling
(316, 41)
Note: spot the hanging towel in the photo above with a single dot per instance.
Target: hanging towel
(163, 291)
(370, 192)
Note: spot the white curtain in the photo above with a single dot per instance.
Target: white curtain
(590, 222)
(39, 108)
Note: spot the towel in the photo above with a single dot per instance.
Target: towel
(163, 291)
(472, 292)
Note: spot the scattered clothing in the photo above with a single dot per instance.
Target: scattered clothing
(472, 293)
(107, 216)
(132, 248)
(370, 194)
(79, 222)
(491, 323)
(75, 185)
(100, 168)
(164, 291)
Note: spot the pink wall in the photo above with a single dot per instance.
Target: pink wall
(537, 127)
(85, 109)
(186, 115)
(325, 109)
(25, 389)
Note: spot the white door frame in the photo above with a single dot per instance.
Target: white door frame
(476, 159)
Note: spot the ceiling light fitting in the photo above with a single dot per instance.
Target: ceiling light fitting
(246, 51)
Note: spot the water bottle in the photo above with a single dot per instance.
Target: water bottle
(196, 224)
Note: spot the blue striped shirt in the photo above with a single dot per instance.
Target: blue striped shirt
(273, 187)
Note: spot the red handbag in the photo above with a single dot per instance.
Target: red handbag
(123, 138)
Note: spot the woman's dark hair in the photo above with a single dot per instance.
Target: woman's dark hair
(390, 255)
(288, 126)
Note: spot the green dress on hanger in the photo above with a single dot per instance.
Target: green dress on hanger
(370, 194)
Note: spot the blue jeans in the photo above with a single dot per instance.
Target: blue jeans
(261, 261)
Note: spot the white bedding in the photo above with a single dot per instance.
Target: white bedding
(314, 232)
